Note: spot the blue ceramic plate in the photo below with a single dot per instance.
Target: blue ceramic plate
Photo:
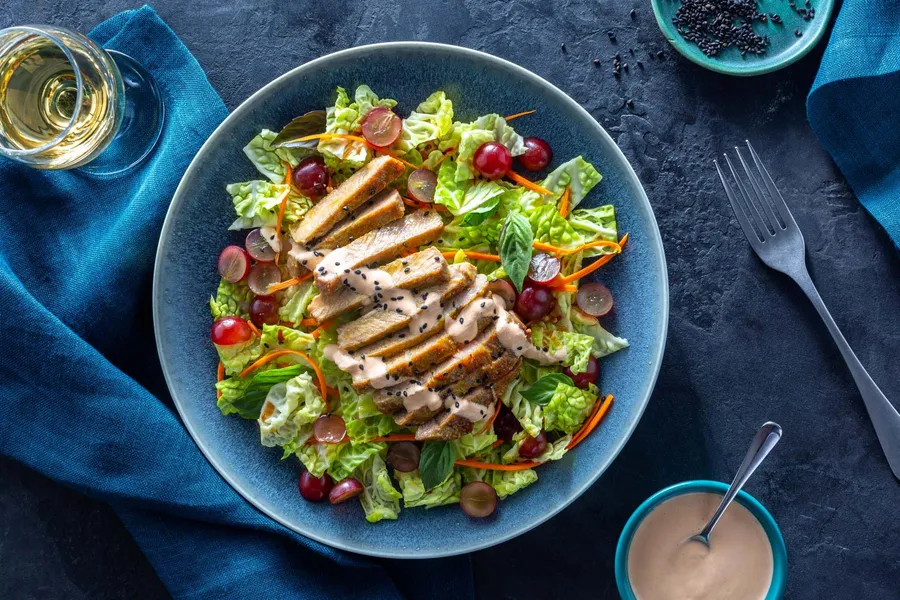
(195, 231)
(785, 45)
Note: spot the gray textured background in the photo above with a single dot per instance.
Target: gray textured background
(744, 345)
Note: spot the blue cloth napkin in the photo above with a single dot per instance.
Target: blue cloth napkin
(83, 400)
(854, 105)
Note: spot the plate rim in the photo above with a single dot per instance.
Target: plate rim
(679, 43)
(655, 239)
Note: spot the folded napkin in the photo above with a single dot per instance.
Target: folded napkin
(83, 399)
(854, 105)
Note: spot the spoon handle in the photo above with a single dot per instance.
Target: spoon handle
(763, 442)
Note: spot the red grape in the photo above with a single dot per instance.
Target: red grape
(264, 311)
(234, 264)
(315, 489)
(534, 303)
(421, 185)
(583, 380)
(345, 489)
(258, 246)
(537, 154)
(310, 177)
(532, 447)
(229, 331)
(329, 429)
(404, 456)
(543, 268)
(504, 289)
(492, 160)
(506, 425)
(262, 275)
(381, 127)
(594, 299)
(478, 499)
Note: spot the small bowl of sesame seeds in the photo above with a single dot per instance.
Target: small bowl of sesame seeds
(743, 37)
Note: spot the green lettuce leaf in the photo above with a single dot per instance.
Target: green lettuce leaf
(474, 445)
(366, 100)
(568, 408)
(296, 403)
(363, 419)
(293, 339)
(604, 343)
(578, 175)
(414, 493)
(236, 357)
(431, 120)
(484, 236)
(343, 117)
(269, 160)
(318, 458)
(232, 389)
(296, 301)
(595, 224)
(449, 192)
(352, 456)
(231, 300)
(579, 347)
(256, 203)
(379, 500)
(480, 201)
(530, 416)
(507, 483)
(551, 228)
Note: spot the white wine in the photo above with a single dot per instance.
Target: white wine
(60, 98)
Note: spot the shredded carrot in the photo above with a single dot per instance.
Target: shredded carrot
(254, 329)
(395, 437)
(309, 322)
(592, 423)
(564, 203)
(593, 266)
(567, 251)
(497, 444)
(443, 158)
(277, 287)
(517, 115)
(287, 180)
(355, 138)
(476, 464)
(278, 353)
(220, 375)
(475, 255)
(528, 184)
(566, 288)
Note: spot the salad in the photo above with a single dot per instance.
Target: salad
(405, 313)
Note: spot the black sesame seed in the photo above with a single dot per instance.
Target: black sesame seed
(633, 14)
(406, 270)
(399, 311)
(660, 54)
(461, 320)
(612, 36)
(596, 62)
(563, 47)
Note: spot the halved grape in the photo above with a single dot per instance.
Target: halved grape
(543, 268)
(258, 246)
(315, 489)
(421, 185)
(228, 331)
(584, 380)
(478, 499)
(329, 429)
(264, 311)
(595, 299)
(345, 489)
(262, 275)
(532, 447)
(234, 264)
(505, 290)
(404, 456)
(381, 127)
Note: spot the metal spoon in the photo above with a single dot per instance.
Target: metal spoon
(763, 442)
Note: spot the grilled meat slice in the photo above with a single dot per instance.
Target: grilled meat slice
(488, 374)
(385, 243)
(449, 426)
(416, 312)
(393, 344)
(380, 210)
(418, 270)
(362, 185)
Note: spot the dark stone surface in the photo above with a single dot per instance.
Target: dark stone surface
(744, 344)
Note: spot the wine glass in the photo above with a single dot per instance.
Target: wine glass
(66, 103)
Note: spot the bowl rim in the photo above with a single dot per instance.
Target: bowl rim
(655, 239)
(765, 518)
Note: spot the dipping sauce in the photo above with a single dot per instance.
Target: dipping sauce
(663, 566)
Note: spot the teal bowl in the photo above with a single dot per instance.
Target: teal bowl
(779, 552)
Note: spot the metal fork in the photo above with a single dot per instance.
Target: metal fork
(776, 239)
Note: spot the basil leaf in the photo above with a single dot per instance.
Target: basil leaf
(544, 388)
(479, 216)
(516, 239)
(436, 463)
(309, 124)
(250, 404)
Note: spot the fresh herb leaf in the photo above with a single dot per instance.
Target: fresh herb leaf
(543, 389)
(516, 240)
(309, 124)
(481, 214)
(436, 463)
(250, 404)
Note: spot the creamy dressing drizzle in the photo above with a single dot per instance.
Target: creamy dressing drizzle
(374, 368)
(270, 234)
(308, 259)
(466, 409)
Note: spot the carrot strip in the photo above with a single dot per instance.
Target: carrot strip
(565, 251)
(355, 138)
(475, 255)
(254, 328)
(277, 287)
(475, 464)
(517, 115)
(594, 266)
(273, 355)
(566, 289)
(497, 444)
(592, 423)
(528, 184)
(443, 158)
(220, 375)
(564, 203)
(288, 171)
(309, 322)
(396, 437)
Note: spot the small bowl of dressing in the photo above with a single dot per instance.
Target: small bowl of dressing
(746, 560)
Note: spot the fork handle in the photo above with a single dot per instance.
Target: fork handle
(883, 415)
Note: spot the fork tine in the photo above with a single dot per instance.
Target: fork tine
(787, 218)
(763, 206)
(739, 213)
(752, 211)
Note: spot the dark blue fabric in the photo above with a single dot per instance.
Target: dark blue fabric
(82, 397)
(854, 105)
